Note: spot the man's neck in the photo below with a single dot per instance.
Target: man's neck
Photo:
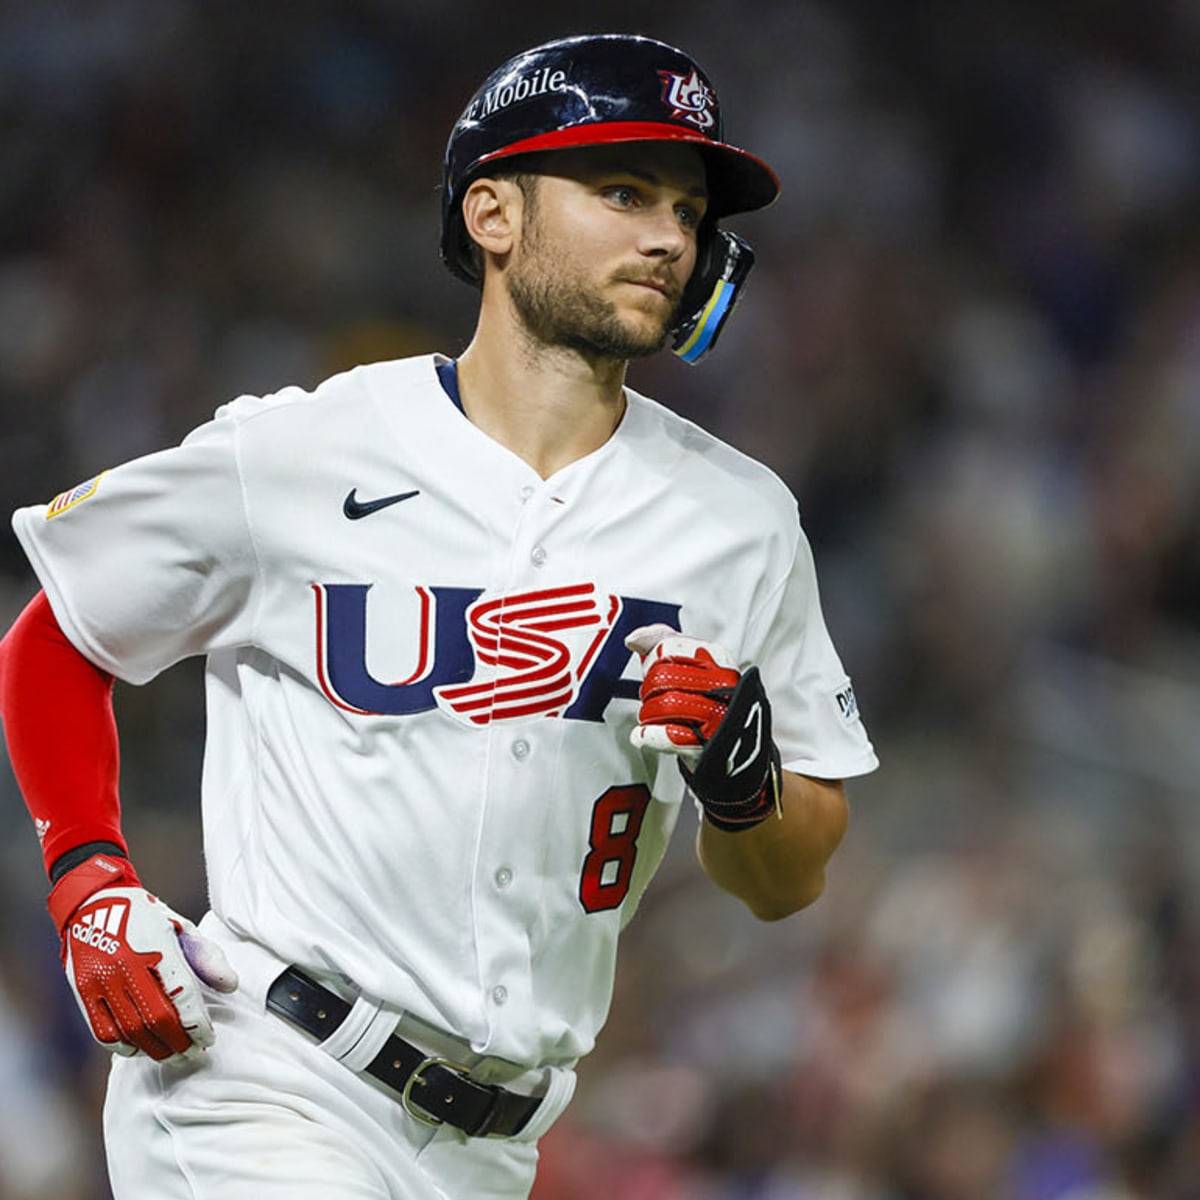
(550, 406)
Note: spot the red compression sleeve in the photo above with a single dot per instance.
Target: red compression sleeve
(58, 719)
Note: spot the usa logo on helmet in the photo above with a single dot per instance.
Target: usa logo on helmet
(690, 98)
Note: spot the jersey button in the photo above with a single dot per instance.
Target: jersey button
(500, 994)
(520, 749)
(504, 877)
(526, 492)
(537, 555)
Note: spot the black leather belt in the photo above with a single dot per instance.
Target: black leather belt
(433, 1090)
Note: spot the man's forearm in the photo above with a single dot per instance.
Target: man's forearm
(778, 866)
(56, 707)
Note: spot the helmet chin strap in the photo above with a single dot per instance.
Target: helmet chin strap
(712, 292)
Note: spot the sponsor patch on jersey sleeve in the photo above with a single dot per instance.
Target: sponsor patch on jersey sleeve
(847, 703)
(65, 501)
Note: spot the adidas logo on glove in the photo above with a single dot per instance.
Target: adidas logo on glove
(94, 928)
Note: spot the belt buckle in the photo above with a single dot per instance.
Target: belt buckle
(406, 1098)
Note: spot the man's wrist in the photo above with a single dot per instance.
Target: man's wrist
(85, 879)
(737, 775)
(734, 815)
(73, 858)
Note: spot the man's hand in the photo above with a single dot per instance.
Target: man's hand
(134, 965)
(716, 719)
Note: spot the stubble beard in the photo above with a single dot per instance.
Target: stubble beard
(560, 310)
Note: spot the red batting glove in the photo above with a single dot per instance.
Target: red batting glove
(715, 719)
(685, 690)
(134, 965)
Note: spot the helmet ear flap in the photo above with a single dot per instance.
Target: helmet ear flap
(723, 261)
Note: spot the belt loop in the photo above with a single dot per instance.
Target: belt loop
(360, 1037)
(558, 1095)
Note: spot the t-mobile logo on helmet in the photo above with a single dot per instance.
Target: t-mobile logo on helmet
(509, 91)
(690, 98)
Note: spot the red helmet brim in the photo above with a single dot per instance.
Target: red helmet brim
(737, 181)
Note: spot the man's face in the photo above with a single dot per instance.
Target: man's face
(608, 242)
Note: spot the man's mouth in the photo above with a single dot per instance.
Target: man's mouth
(662, 286)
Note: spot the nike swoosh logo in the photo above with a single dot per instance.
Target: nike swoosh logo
(753, 728)
(355, 508)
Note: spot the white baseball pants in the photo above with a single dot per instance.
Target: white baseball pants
(268, 1114)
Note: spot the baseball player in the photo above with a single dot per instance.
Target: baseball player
(474, 628)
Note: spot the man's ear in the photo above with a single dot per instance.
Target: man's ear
(491, 212)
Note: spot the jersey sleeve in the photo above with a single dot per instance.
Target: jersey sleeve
(815, 716)
(152, 561)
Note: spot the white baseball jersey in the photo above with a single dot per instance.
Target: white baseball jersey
(418, 771)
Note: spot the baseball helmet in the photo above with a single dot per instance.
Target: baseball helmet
(605, 89)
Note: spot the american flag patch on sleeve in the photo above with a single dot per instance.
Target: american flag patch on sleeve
(77, 495)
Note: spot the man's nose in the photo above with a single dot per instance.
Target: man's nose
(662, 235)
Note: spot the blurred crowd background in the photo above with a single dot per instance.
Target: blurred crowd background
(972, 348)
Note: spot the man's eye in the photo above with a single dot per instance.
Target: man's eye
(621, 195)
(689, 218)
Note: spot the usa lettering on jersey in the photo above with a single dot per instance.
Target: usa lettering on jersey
(549, 652)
